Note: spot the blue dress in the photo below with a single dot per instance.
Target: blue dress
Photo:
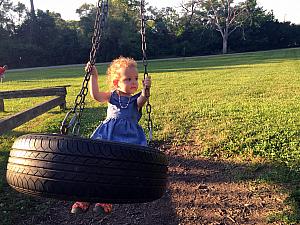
(121, 123)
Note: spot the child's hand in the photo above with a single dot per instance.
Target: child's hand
(91, 69)
(147, 82)
(146, 85)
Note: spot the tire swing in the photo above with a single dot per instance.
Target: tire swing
(68, 167)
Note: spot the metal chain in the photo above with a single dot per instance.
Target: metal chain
(100, 24)
(145, 63)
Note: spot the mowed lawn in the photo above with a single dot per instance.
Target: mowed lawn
(244, 105)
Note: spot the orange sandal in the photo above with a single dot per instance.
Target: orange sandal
(102, 208)
(80, 207)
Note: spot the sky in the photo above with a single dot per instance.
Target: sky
(287, 10)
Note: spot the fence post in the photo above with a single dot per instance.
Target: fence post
(1, 105)
(63, 106)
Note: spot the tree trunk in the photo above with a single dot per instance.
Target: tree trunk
(32, 23)
(32, 9)
(225, 43)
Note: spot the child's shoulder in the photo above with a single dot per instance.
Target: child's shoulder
(136, 95)
(134, 98)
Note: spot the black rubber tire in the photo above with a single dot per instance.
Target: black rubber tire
(73, 168)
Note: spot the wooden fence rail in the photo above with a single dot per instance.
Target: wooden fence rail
(18, 119)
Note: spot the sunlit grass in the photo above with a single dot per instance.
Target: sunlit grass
(244, 104)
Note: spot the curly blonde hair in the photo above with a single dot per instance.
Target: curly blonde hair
(114, 69)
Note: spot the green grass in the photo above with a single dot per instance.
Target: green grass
(244, 105)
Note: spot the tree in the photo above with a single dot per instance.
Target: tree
(223, 15)
(189, 13)
(257, 29)
(162, 27)
(226, 17)
(11, 16)
(122, 36)
(6, 23)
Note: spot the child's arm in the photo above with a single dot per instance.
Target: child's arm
(142, 99)
(94, 88)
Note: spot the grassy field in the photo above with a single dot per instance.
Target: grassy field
(245, 106)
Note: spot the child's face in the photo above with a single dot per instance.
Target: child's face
(128, 82)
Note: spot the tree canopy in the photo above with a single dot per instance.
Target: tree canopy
(200, 27)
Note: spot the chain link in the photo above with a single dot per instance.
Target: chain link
(145, 63)
(100, 24)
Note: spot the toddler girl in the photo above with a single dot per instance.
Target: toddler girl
(123, 112)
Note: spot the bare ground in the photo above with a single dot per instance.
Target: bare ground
(201, 191)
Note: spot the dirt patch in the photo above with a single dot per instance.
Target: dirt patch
(201, 191)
